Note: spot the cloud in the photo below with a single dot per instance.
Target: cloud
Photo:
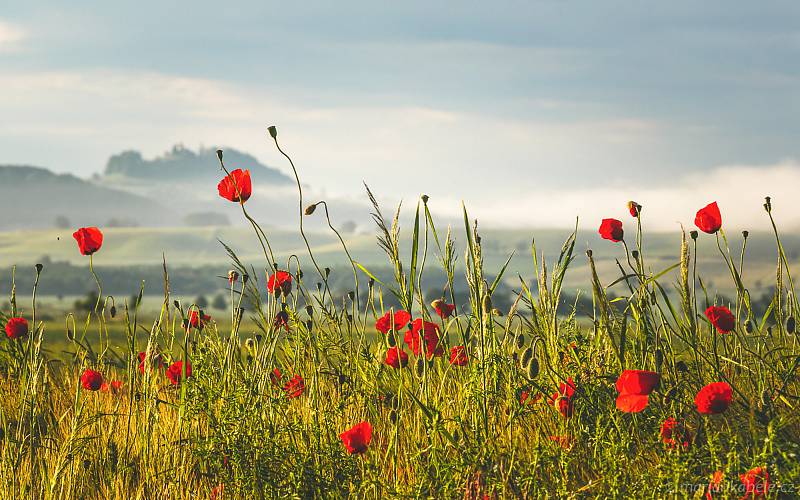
(10, 36)
(738, 189)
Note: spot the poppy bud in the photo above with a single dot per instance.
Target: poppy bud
(249, 359)
(310, 310)
(310, 209)
(319, 286)
(659, 359)
(87, 464)
(497, 312)
(113, 311)
(533, 369)
(393, 416)
(681, 366)
(790, 324)
(327, 271)
(589, 253)
(527, 355)
(371, 282)
(232, 276)
(670, 395)
(39, 268)
(70, 335)
(219, 154)
(768, 204)
(745, 234)
(249, 343)
(391, 340)
(309, 325)
(748, 326)
(273, 132)
(487, 304)
(258, 338)
(351, 295)
(693, 234)
(456, 436)
(420, 367)
(520, 341)
(245, 279)
(425, 199)
(176, 304)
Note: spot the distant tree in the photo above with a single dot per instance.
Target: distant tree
(121, 222)
(219, 302)
(62, 222)
(201, 302)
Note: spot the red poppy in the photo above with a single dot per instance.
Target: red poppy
(429, 334)
(217, 491)
(525, 396)
(114, 386)
(634, 387)
(674, 431)
(562, 399)
(91, 380)
(722, 318)
(155, 361)
(396, 357)
(715, 484)
(458, 355)
(236, 185)
(295, 387)
(281, 281)
(275, 377)
(17, 328)
(357, 438)
(175, 372)
(443, 309)
(708, 219)
(756, 482)
(392, 320)
(198, 319)
(281, 320)
(634, 208)
(713, 398)
(89, 239)
(611, 229)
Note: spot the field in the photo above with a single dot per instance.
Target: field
(397, 369)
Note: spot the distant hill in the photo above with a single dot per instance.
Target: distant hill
(184, 165)
(33, 197)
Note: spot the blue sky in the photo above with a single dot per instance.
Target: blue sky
(505, 104)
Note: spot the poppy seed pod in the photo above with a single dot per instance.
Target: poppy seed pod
(310, 310)
(520, 341)
(693, 234)
(768, 204)
(113, 311)
(327, 271)
(790, 324)
(420, 367)
(393, 416)
(659, 359)
(589, 253)
(635, 254)
(273, 132)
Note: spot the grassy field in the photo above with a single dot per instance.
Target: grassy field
(290, 391)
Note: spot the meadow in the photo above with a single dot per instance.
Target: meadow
(416, 381)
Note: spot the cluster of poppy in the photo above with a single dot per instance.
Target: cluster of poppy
(294, 388)
(755, 482)
(420, 336)
(174, 372)
(635, 386)
(708, 219)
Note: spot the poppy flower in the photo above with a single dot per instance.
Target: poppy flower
(295, 387)
(611, 229)
(458, 355)
(89, 239)
(634, 208)
(91, 380)
(715, 484)
(756, 482)
(236, 186)
(155, 361)
(17, 328)
(634, 387)
(708, 218)
(275, 377)
(713, 398)
(722, 318)
(357, 438)
(114, 386)
(396, 357)
(674, 431)
(198, 319)
(525, 396)
(281, 320)
(562, 400)
(175, 372)
(442, 308)
(392, 320)
(424, 331)
(281, 281)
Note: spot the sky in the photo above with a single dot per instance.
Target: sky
(532, 112)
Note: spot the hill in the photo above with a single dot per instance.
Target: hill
(36, 197)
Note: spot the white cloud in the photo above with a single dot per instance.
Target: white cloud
(10, 36)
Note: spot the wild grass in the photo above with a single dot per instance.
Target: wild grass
(489, 429)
